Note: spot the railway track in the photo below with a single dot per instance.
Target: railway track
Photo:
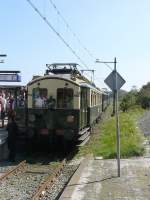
(11, 170)
(48, 181)
(54, 191)
(34, 181)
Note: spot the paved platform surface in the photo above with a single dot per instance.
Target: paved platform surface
(97, 180)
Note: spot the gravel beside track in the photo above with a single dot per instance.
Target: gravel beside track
(53, 193)
(5, 168)
(22, 185)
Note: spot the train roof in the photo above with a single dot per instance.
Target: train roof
(84, 84)
(66, 77)
(61, 77)
(67, 72)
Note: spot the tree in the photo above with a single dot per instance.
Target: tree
(144, 96)
(129, 100)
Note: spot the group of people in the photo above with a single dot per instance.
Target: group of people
(6, 106)
(43, 102)
(8, 101)
(7, 109)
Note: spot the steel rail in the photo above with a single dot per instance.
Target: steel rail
(48, 181)
(11, 171)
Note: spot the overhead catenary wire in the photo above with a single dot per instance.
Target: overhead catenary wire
(108, 66)
(57, 33)
(73, 33)
(71, 30)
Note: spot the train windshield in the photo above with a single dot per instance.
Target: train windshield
(64, 98)
(39, 97)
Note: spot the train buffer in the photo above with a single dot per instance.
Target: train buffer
(97, 179)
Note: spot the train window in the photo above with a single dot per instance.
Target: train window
(83, 98)
(96, 98)
(64, 98)
(91, 99)
(39, 97)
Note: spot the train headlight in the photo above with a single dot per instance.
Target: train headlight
(70, 118)
(31, 117)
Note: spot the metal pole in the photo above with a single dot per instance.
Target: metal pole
(114, 94)
(117, 120)
(93, 76)
(115, 110)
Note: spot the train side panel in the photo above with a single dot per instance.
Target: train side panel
(95, 106)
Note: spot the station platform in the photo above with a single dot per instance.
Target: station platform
(96, 179)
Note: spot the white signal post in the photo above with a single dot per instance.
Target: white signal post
(117, 119)
(115, 82)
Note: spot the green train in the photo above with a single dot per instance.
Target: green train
(62, 105)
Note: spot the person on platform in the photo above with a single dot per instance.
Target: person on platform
(12, 129)
(3, 108)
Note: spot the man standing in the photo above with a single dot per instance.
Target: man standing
(12, 129)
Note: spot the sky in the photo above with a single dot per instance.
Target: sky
(106, 28)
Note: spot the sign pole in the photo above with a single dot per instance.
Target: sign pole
(117, 118)
(115, 81)
(114, 91)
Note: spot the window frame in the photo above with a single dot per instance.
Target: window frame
(64, 104)
(40, 91)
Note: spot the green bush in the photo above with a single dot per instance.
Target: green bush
(144, 96)
(128, 101)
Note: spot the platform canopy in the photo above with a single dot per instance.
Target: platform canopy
(10, 76)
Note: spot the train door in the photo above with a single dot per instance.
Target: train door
(83, 108)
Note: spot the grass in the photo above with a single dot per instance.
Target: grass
(103, 141)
